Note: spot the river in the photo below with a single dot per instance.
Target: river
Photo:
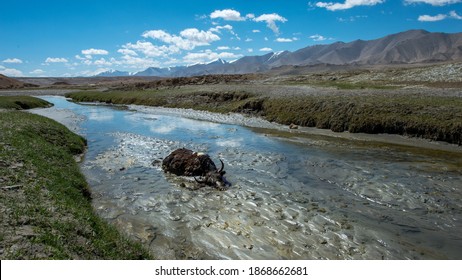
(293, 196)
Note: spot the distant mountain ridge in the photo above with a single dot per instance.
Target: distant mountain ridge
(413, 46)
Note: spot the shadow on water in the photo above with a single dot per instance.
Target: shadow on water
(293, 196)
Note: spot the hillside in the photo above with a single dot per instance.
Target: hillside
(10, 83)
(7, 83)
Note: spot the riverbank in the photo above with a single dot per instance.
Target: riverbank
(45, 202)
(432, 114)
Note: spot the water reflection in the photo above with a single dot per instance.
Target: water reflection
(303, 199)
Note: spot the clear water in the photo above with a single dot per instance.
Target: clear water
(310, 198)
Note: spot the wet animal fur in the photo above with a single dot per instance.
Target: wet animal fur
(184, 162)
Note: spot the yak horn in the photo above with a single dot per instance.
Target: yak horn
(222, 166)
(200, 182)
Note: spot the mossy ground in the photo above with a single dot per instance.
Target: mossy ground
(45, 203)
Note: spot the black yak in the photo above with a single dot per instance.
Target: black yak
(184, 162)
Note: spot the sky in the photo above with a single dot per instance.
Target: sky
(51, 38)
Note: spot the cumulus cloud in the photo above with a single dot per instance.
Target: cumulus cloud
(10, 72)
(200, 37)
(454, 15)
(439, 17)
(227, 14)
(434, 2)
(266, 50)
(286, 40)
(318, 38)
(348, 4)
(95, 52)
(102, 62)
(189, 38)
(432, 18)
(12, 60)
(56, 60)
(219, 28)
(37, 72)
(271, 20)
(149, 49)
(127, 52)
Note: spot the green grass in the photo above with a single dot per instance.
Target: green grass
(22, 102)
(436, 118)
(45, 204)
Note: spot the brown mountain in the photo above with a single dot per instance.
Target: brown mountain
(6, 83)
(414, 46)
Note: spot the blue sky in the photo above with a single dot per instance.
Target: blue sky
(83, 38)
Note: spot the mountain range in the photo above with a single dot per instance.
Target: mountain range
(413, 46)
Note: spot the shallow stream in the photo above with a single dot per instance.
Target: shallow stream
(292, 197)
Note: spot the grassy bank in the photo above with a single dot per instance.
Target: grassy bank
(45, 204)
(431, 117)
(221, 102)
(22, 102)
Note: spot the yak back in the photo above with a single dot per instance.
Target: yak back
(184, 162)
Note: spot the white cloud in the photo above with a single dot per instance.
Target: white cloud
(348, 4)
(150, 50)
(11, 72)
(439, 17)
(95, 52)
(318, 38)
(208, 56)
(352, 18)
(188, 40)
(227, 27)
(256, 31)
(102, 62)
(199, 37)
(434, 2)
(13, 60)
(286, 40)
(454, 15)
(37, 72)
(219, 28)
(56, 60)
(266, 50)
(432, 18)
(271, 20)
(127, 52)
(250, 50)
(227, 14)
(223, 48)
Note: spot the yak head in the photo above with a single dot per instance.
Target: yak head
(215, 178)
